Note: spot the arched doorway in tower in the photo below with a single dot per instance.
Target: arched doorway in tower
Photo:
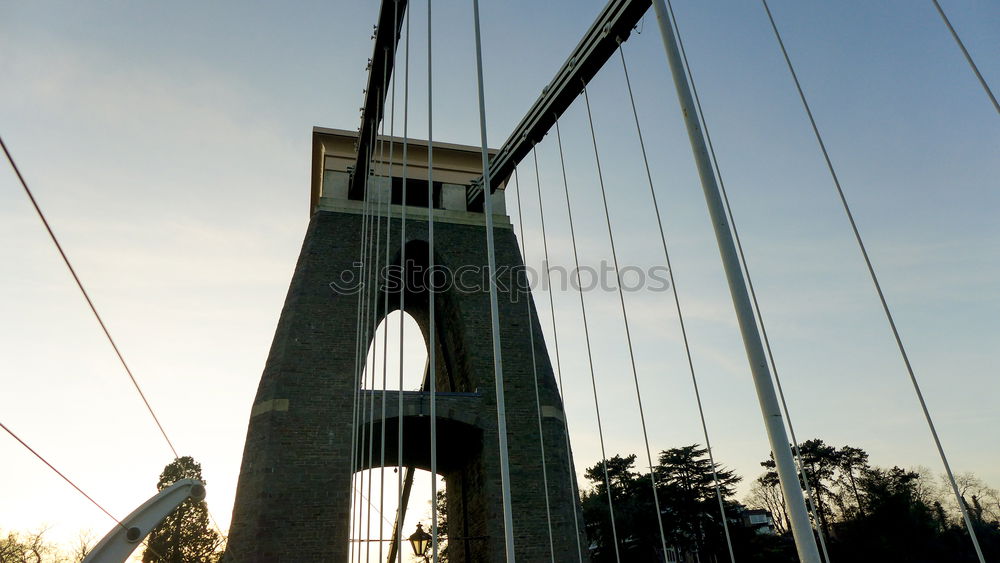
(376, 491)
(375, 512)
(383, 358)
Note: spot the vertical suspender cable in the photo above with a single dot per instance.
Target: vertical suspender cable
(357, 361)
(878, 288)
(677, 306)
(767, 397)
(398, 533)
(555, 342)
(367, 375)
(373, 231)
(357, 364)
(590, 357)
(365, 327)
(534, 362)
(494, 310)
(968, 57)
(367, 379)
(385, 292)
(373, 282)
(628, 332)
(385, 353)
(432, 340)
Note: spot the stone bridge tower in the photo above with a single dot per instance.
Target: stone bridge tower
(293, 499)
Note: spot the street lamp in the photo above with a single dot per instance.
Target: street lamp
(420, 541)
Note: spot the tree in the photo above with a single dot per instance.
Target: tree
(625, 501)
(689, 509)
(35, 547)
(85, 542)
(832, 475)
(981, 500)
(30, 547)
(184, 536)
(820, 462)
(687, 486)
(895, 526)
(851, 462)
(441, 505)
(871, 513)
(765, 494)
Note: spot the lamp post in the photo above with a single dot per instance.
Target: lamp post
(420, 541)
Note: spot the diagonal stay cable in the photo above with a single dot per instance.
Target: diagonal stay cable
(878, 289)
(371, 503)
(93, 309)
(86, 296)
(61, 474)
(74, 485)
(968, 57)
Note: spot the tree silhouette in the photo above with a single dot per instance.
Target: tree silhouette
(689, 499)
(689, 508)
(183, 536)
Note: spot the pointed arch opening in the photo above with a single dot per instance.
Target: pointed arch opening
(383, 359)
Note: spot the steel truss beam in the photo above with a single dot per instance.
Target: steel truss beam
(613, 24)
(390, 21)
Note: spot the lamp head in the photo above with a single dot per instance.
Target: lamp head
(420, 541)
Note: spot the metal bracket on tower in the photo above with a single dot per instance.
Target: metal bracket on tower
(122, 540)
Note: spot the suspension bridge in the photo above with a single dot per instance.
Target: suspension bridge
(421, 228)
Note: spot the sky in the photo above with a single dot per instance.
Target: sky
(169, 145)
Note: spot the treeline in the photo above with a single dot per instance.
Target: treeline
(35, 547)
(865, 513)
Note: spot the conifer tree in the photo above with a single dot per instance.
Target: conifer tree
(185, 535)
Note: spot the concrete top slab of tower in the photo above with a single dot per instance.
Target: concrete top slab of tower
(456, 167)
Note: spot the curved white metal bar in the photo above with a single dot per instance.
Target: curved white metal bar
(122, 540)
